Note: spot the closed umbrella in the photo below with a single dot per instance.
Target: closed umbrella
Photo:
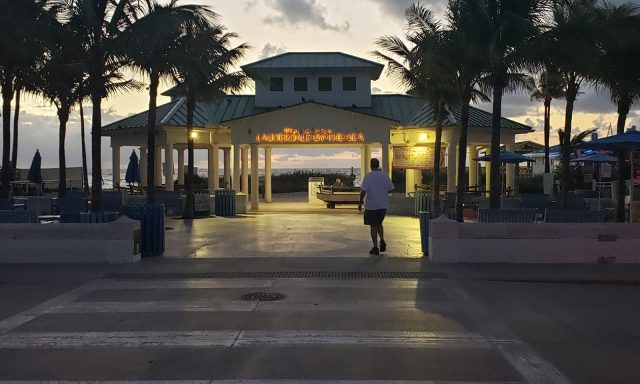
(133, 171)
(35, 171)
(627, 141)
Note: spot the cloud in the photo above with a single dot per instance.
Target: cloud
(300, 12)
(397, 8)
(271, 50)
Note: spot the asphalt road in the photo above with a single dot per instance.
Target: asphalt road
(165, 320)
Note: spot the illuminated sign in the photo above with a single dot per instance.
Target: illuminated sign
(310, 136)
(418, 157)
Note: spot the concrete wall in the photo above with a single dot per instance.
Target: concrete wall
(452, 242)
(111, 243)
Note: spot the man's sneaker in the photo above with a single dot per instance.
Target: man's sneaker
(383, 246)
(374, 251)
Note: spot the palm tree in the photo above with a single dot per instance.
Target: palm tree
(21, 36)
(85, 174)
(204, 73)
(570, 146)
(150, 43)
(619, 70)
(422, 69)
(550, 86)
(572, 52)
(505, 27)
(101, 23)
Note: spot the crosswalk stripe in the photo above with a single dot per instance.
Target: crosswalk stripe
(238, 338)
(241, 306)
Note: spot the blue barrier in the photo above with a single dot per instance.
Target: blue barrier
(225, 201)
(98, 217)
(424, 218)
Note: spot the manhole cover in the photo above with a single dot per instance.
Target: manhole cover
(263, 296)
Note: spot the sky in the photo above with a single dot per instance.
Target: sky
(276, 26)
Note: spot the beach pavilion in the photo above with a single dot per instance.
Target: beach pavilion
(308, 99)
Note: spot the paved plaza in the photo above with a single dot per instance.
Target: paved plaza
(345, 318)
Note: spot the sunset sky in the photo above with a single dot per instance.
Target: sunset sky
(277, 26)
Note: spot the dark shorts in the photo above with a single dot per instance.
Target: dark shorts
(374, 217)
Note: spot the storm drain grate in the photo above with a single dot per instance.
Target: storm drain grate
(263, 296)
(337, 275)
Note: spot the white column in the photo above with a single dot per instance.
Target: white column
(168, 168)
(472, 153)
(385, 157)
(245, 170)
(267, 174)
(227, 166)
(410, 180)
(255, 195)
(367, 157)
(210, 165)
(143, 166)
(158, 166)
(451, 167)
(363, 165)
(115, 167)
(181, 166)
(390, 170)
(236, 167)
(487, 176)
(216, 167)
(511, 171)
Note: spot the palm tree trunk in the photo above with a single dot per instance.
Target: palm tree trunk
(189, 203)
(547, 133)
(436, 158)
(96, 152)
(63, 118)
(85, 174)
(7, 96)
(572, 93)
(462, 156)
(14, 151)
(496, 176)
(623, 110)
(154, 78)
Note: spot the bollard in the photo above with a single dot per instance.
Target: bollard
(225, 202)
(424, 218)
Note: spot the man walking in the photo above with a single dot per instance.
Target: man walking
(375, 187)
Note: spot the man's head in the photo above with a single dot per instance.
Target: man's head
(375, 164)
(338, 181)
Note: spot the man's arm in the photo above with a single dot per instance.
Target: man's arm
(362, 193)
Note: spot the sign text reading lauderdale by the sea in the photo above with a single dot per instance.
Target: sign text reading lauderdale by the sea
(316, 135)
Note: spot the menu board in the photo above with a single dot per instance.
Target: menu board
(417, 157)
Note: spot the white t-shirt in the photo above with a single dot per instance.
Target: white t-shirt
(377, 186)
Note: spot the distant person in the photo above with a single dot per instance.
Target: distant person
(338, 183)
(374, 192)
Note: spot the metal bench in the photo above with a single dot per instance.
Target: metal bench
(507, 215)
(18, 217)
(574, 216)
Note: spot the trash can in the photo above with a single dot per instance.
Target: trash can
(422, 202)
(201, 206)
(151, 219)
(423, 218)
(225, 202)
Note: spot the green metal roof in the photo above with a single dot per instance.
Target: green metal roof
(313, 60)
(403, 109)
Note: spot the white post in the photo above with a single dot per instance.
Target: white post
(143, 166)
(236, 168)
(255, 195)
(168, 171)
(210, 167)
(158, 167)
(487, 176)
(367, 158)
(227, 166)
(385, 157)
(216, 166)
(181, 166)
(363, 164)
(390, 170)
(451, 167)
(245, 170)
(267, 174)
(473, 165)
(115, 161)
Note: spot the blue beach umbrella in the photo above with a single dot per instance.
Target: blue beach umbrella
(133, 171)
(596, 158)
(507, 157)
